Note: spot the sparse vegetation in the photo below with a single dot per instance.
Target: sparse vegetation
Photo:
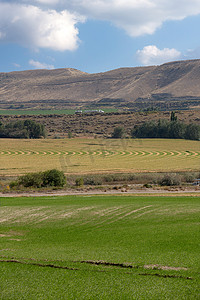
(170, 180)
(147, 179)
(53, 95)
(131, 181)
(101, 125)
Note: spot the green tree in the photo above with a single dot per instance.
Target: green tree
(166, 129)
(177, 130)
(34, 129)
(173, 117)
(118, 133)
(192, 132)
(22, 129)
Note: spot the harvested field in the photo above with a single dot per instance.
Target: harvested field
(84, 156)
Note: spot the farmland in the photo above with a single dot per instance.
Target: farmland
(82, 156)
(99, 247)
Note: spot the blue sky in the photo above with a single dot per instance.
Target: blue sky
(97, 35)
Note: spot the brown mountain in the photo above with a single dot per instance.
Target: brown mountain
(175, 82)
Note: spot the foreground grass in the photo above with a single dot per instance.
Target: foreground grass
(51, 247)
(98, 155)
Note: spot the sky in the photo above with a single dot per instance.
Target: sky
(97, 35)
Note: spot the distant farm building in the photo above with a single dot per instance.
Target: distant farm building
(88, 111)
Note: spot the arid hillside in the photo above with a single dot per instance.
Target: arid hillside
(176, 82)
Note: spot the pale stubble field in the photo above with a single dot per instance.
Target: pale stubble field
(82, 156)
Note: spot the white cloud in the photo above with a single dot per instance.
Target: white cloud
(151, 55)
(36, 28)
(192, 53)
(136, 17)
(49, 2)
(31, 22)
(16, 65)
(39, 65)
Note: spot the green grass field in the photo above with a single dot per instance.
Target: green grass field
(80, 156)
(51, 247)
(31, 112)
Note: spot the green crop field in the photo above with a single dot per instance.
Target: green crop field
(80, 156)
(99, 247)
(30, 112)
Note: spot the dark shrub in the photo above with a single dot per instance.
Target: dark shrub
(13, 184)
(118, 133)
(90, 180)
(189, 177)
(79, 181)
(31, 179)
(42, 179)
(54, 178)
(170, 179)
(147, 185)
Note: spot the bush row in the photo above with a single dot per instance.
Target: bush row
(56, 178)
(167, 179)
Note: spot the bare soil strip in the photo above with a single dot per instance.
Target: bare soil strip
(121, 265)
(37, 264)
(166, 276)
(129, 266)
(135, 192)
(158, 267)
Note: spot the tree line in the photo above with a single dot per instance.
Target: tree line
(167, 129)
(172, 129)
(26, 129)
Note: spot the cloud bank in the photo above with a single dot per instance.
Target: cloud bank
(151, 55)
(53, 24)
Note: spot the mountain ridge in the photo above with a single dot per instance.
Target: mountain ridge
(171, 81)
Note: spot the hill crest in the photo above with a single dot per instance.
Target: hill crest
(70, 87)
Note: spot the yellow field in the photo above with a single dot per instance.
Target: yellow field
(98, 155)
